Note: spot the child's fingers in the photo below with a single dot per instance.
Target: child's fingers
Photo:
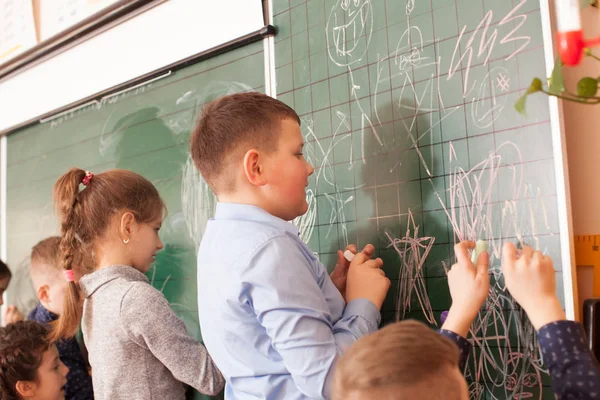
(352, 248)
(526, 253)
(538, 257)
(341, 259)
(360, 258)
(483, 263)
(509, 255)
(461, 251)
(369, 250)
(375, 264)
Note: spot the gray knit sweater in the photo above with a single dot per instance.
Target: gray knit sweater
(138, 347)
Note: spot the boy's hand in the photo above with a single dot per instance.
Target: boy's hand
(340, 272)
(11, 315)
(469, 287)
(530, 279)
(366, 280)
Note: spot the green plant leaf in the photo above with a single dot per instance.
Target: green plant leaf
(587, 87)
(520, 104)
(535, 86)
(556, 84)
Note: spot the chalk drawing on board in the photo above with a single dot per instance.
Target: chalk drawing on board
(487, 106)
(349, 30)
(475, 212)
(482, 41)
(413, 251)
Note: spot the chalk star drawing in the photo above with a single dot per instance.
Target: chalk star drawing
(502, 82)
(413, 251)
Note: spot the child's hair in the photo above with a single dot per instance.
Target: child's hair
(406, 358)
(232, 125)
(4, 271)
(46, 251)
(22, 345)
(45, 265)
(84, 216)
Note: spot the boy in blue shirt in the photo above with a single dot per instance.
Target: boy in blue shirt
(272, 318)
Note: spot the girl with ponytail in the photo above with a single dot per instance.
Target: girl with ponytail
(138, 348)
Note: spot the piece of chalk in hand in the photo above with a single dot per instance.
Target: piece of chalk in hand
(349, 255)
(480, 247)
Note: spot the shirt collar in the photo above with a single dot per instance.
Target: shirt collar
(91, 282)
(247, 212)
(41, 314)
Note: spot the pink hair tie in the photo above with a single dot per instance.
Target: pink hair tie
(86, 179)
(69, 275)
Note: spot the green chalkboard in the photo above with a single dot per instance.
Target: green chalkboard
(407, 110)
(146, 130)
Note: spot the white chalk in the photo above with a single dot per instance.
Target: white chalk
(480, 247)
(349, 255)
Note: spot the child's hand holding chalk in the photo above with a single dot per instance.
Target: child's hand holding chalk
(480, 247)
(340, 272)
(469, 285)
(348, 255)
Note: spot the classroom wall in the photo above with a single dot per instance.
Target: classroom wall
(582, 130)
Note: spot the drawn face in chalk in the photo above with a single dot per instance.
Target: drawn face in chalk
(488, 101)
(349, 29)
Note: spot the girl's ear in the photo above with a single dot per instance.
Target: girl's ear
(126, 226)
(26, 389)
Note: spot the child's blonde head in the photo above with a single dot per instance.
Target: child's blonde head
(45, 263)
(405, 360)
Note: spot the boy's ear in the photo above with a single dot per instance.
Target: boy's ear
(26, 389)
(43, 294)
(254, 168)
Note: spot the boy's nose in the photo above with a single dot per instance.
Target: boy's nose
(310, 169)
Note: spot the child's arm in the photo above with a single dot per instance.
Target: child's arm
(285, 295)
(150, 322)
(530, 279)
(469, 286)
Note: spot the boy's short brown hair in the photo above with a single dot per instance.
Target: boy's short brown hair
(404, 360)
(22, 345)
(232, 125)
(47, 252)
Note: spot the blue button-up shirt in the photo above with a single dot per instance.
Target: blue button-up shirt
(271, 318)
